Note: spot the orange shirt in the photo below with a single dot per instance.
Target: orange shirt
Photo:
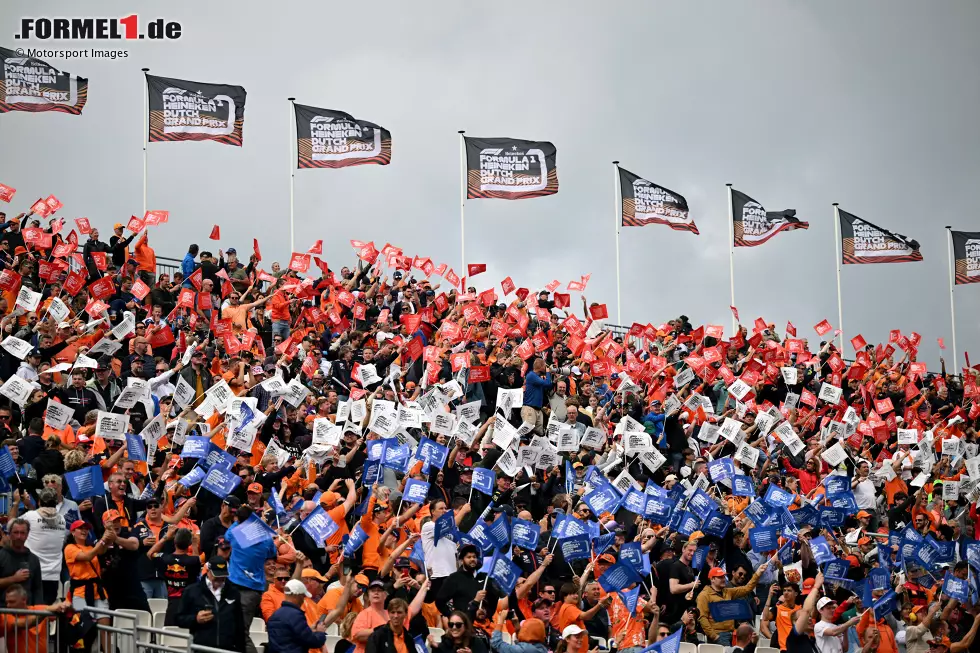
(279, 306)
(271, 601)
(370, 556)
(569, 614)
(337, 515)
(25, 639)
(237, 315)
(79, 570)
(328, 602)
(368, 619)
(784, 623)
(628, 630)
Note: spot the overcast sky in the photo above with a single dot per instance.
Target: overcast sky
(798, 104)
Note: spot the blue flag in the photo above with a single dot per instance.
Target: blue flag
(670, 644)
(659, 509)
(618, 577)
(376, 448)
(504, 573)
(220, 481)
(884, 605)
(764, 538)
(758, 511)
(218, 457)
(500, 531)
(432, 453)
(742, 486)
(371, 473)
(687, 523)
(276, 503)
(845, 502)
(778, 497)
(821, 550)
(630, 599)
(716, 524)
(603, 498)
(418, 554)
(831, 518)
(701, 504)
(956, 588)
(196, 446)
(836, 485)
(82, 484)
(700, 555)
(568, 526)
(721, 469)
(8, 467)
(193, 477)
(973, 553)
(420, 646)
(356, 540)
(525, 534)
(480, 536)
(836, 569)
(635, 501)
(319, 526)
(396, 457)
(632, 554)
(415, 491)
(576, 548)
(880, 579)
(484, 480)
(135, 447)
(738, 610)
(250, 532)
(445, 526)
(603, 542)
(927, 555)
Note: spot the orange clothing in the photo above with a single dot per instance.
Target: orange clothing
(146, 258)
(369, 619)
(784, 623)
(20, 638)
(238, 316)
(312, 612)
(271, 601)
(400, 645)
(370, 556)
(279, 306)
(886, 642)
(328, 602)
(569, 614)
(628, 630)
(78, 570)
(338, 515)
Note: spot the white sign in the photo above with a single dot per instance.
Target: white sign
(28, 299)
(739, 389)
(17, 347)
(57, 415)
(835, 455)
(789, 375)
(829, 393)
(17, 390)
(111, 426)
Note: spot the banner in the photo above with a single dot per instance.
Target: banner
(966, 253)
(85, 483)
(754, 225)
(863, 242)
(334, 139)
(250, 532)
(510, 168)
(644, 202)
(30, 84)
(738, 610)
(182, 110)
(319, 525)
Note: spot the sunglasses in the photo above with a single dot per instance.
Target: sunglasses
(284, 579)
(457, 624)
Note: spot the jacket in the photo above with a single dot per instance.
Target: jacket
(476, 645)
(190, 375)
(498, 644)
(460, 588)
(227, 629)
(289, 632)
(707, 596)
(382, 640)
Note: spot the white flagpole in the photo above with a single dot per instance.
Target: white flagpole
(837, 263)
(731, 254)
(617, 220)
(146, 130)
(292, 177)
(952, 304)
(462, 202)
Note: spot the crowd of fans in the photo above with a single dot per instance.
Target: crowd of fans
(422, 462)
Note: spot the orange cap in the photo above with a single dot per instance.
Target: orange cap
(110, 516)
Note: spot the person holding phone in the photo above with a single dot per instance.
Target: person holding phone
(212, 609)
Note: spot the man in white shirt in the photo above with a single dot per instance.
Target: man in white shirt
(45, 540)
(440, 558)
(827, 635)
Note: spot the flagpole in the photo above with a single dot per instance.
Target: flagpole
(617, 219)
(837, 263)
(462, 202)
(952, 284)
(731, 255)
(292, 176)
(146, 130)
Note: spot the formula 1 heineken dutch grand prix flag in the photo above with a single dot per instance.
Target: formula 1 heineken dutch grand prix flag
(754, 225)
(334, 139)
(193, 111)
(28, 84)
(510, 168)
(966, 253)
(863, 242)
(644, 202)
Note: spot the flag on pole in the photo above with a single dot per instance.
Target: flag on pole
(754, 225)
(644, 202)
(28, 84)
(863, 242)
(966, 254)
(333, 139)
(182, 110)
(510, 168)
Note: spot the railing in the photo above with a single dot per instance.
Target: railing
(126, 632)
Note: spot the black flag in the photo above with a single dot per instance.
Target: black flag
(863, 242)
(193, 111)
(334, 139)
(966, 254)
(509, 168)
(753, 225)
(644, 202)
(28, 84)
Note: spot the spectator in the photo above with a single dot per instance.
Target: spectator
(20, 565)
(288, 629)
(392, 636)
(211, 609)
(45, 539)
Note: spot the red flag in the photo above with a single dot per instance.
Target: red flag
(790, 329)
(942, 345)
(822, 327)
(154, 218)
(140, 290)
(215, 233)
(734, 312)
(473, 269)
(299, 262)
(858, 342)
(255, 248)
(599, 311)
(6, 193)
(135, 224)
(84, 226)
(53, 203)
(508, 286)
(317, 248)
